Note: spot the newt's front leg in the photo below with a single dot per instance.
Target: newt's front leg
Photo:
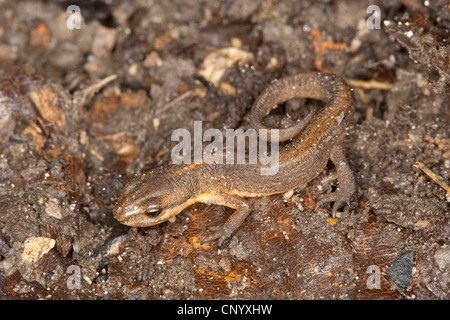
(242, 208)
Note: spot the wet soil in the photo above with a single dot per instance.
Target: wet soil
(84, 109)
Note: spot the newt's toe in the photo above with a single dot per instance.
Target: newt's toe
(219, 233)
(338, 198)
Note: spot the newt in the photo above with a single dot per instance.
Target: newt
(158, 195)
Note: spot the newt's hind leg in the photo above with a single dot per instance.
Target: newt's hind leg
(346, 182)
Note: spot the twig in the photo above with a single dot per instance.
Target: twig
(91, 90)
(434, 177)
(371, 84)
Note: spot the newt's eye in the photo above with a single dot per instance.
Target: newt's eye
(153, 212)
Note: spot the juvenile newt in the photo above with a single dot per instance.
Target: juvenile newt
(160, 194)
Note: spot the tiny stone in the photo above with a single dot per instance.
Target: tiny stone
(35, 247)
(53, 208)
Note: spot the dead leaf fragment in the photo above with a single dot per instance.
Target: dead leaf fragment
(46, 102)
(39, 138)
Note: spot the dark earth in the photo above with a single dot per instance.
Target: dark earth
(84, 109)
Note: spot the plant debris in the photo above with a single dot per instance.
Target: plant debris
(84, 109)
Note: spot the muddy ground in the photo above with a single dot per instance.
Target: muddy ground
(84, 109)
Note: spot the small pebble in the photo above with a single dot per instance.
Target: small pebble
(35, 247)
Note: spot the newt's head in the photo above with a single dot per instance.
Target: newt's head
(148, 199)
